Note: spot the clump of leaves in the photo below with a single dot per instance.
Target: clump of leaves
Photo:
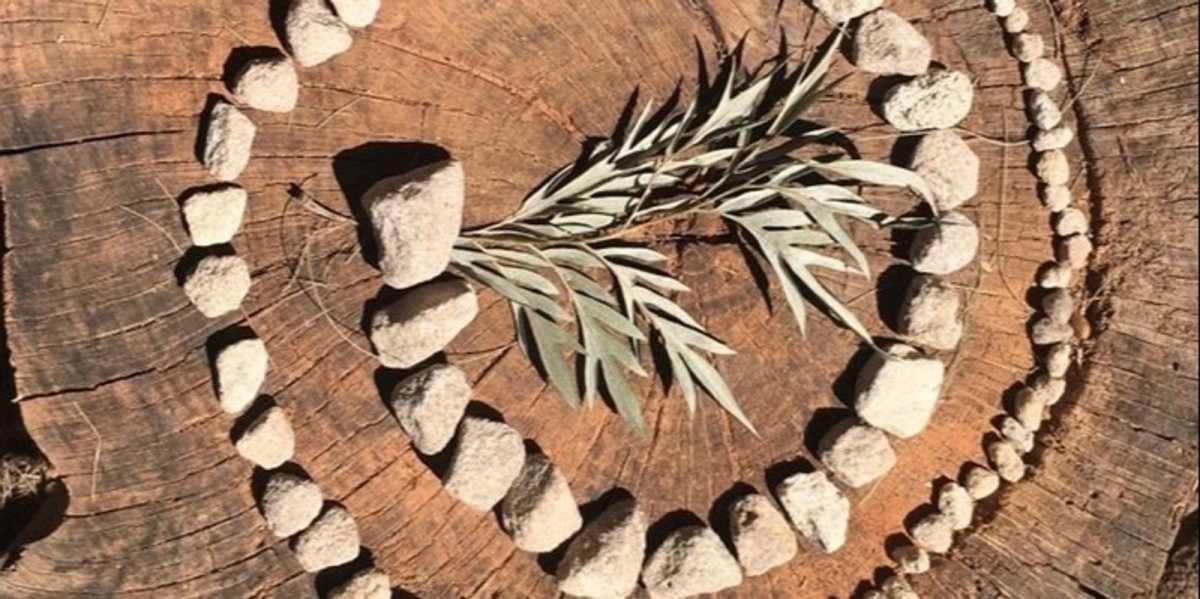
(587, 293)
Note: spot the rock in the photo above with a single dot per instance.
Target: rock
(227, 141)
(539, 511)
(1044, 111)
(1006, 460)
(1047, 332)
(416, 217)
(857, 454)
(290, 503)
(1059, 305)
(886, 43)
(898, 587)
(1042, 74)
(761, 535)
(422, 322)
(489, 457)
(897, 393)
(213, 215)
(939, 99)
(1002, 8)
(934, 533)
(267, 84)
(1054, 139)
(1028, 47)
(313, 33)
(1058, 360)
(1017, 21)
(691, 561)
(1054, 275)
(332, 540)
(268, 441)
(980, 482)
(840, 11)
(1050, 389)
(604, 560)
(1053, 168)
(1074, 251)
(1020, 437)
(1029, 408)
(873, 594)
(929, 314)
(429, 405)
(240, 370)
(946, 247)
(911, 559)
(816, 508)
(1071, 221)
(955, 502)
(1181, 578)
(218, 285)
(1056, 198)
(367, 584)
(356, 13)
(950, 168)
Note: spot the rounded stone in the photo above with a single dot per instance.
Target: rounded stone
(1017, 21)
(218, 284)
(949, 166)
(887, 44)
(1002, 8)
(1042, 74)
(1071, 221)
(1051, 389)
(1058, 305)
(331, 540)
(1074, 251)
(911, 559)
(290, 503)
(1029, 408)
(956, 503)
(1053, 168)
(429, 405)
(856, 453)
(946, 247)
(1056, 198)
(939, 99)
(1044, 111)
(213, 215)
(933, 533)
(761, 535)
(1028, 47)
(840, 11)
(489, 457)
(980, 482)
(267, 84)
(897, 587)
(539, 511)
(605, 558)
(240, 369)
(1057, 360)
(691, 561)
(367, 584)
(1048, 332)
(313, 33)
(356, 13)
(1020, 437)
(1006, 460)
(1054, 275)
(898, 392)
(817, 508)
(929, 315)
(228, 137)
(1056, 138)
(268, 441)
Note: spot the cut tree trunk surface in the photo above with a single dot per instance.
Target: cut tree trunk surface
(101, 103)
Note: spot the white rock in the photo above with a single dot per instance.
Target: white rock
(840, 11)
(911, 559)
(934, 533)
(416, 217)
(761, 535)
(1044, 111)
(1051, 389)
(886, 43)
(422, 322)
(980, 482)
(1074, 251)
(539, 511)
(218, 285)
(356, 13)
(1056, 198)
(1028, 47)
(873, 594)
(488, 459)
(1053, 168)
(947, 246)
(1017, 21)
(1054, 139)
(227, 141)
(897, 393)
(1048, 332)
(817, 509)
(691, 561)
(368, 584)
(267, 84)
(950, 168)
(1006, 460)
(604, 560)
(1042, 74)
(1058, 305)
(1058, 360)
(1002, 8)
(213, 216)
(954, 501)
(939, 99)
(429, 405)
(268, 441)
(1055, 275)
(314, 34)
(240, 368)
(898, 587)
(1071, 221)
(1029, 408)
(332, 540)
(1020, 437)
(929, 315)
(290, 503)
(857, 454)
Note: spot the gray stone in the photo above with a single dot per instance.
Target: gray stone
(267, 84)
(1054, 139)
(367, 584)
(422, 322)
(313, 33)
(761, 535)
(1017, 21)
(1029, 408)
(946, 247)
(1051, 389)
(1056, 198)
(886, 43)
(1058, 305)
(1006, 460)
(240, 368)
(933, 533)
(949, 166)
(539, 511)
(1058, 360)
(356, 13)
(1048, 332)
(1028, 47)
(488, 459)
(605, 558)
(1002, 8)
(1074, 251)
(898, 587)
(690, 561)
(939, 99)
(857, 454)
(1042, 74)
(929, 315)
(1045, 112)
(1071, 221)
(955, 502)
(290, 503)
(1055, 275)
(1053, 168)
(213, 215)
(911, 559)
(331, 540)
(817, 509)
(218, 285)
(897, 393)
(228, 139)
(416, 217)
(840, 11)
(1020, 437)
(980, 482)
(268, 440)
(429, 405)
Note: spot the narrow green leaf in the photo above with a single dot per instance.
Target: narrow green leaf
(746, 201)
(609, 315)
(827, 299)
(715, 385)
(691, 337)
(548, 341)
(623, 397)
(664, 306)
(811, 75)
(529, 280)
(877, 173)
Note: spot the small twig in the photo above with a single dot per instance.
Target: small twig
(239, 36)
(99, 447)
(338, 111)
(316, 297)
(1004, 143)
(156, 226)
